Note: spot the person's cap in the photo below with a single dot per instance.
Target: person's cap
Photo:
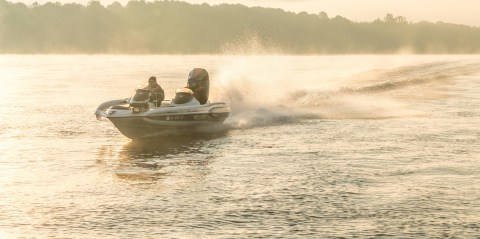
(152, 79)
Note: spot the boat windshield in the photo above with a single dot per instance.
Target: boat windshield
(141, 95)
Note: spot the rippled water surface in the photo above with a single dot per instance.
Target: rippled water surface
(316, 146)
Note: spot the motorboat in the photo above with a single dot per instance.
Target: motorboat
(188, 112)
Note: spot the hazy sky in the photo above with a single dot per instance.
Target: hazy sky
(453, 11)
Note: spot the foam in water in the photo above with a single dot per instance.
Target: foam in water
(261, 91)
(265, 90)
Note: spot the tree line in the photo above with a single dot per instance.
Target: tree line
(175, 27)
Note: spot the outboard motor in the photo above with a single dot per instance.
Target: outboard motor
(199, 83)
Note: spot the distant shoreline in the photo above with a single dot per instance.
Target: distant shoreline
(172, 27)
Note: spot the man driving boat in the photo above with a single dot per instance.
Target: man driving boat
(157, 94)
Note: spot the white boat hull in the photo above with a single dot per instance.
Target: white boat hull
(169, 119)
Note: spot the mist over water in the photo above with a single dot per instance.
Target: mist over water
(315, 146)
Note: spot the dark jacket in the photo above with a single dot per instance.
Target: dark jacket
(155, 87)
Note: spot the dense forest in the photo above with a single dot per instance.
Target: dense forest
(166, 27)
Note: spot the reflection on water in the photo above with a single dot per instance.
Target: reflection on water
(179, 158)
(161, 146)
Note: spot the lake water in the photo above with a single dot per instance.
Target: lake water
(317, 146)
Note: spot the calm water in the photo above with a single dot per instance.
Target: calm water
(317, 146)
